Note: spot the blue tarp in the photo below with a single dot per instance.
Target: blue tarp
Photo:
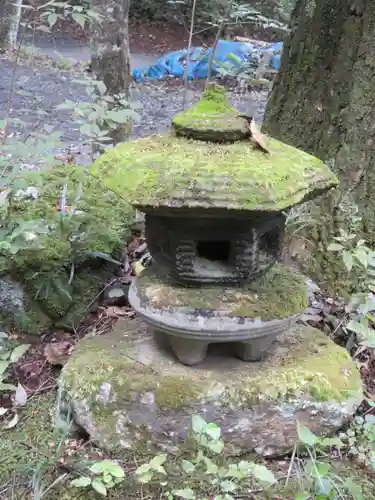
(172, 64)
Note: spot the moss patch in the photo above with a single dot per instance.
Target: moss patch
(211, 119)
(31, 320)
(313, 365)
(164, 170)
(100, 364)
(101, 224)
(280, 293)
(306, 361)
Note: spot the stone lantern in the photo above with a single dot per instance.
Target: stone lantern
(215, 295)
(215, 209)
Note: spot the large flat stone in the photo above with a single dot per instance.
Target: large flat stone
(127, 389)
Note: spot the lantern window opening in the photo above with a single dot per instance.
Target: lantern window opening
(214, 251)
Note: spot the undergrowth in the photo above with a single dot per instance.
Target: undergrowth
(49, 458)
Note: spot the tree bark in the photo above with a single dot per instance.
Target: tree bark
(110, 57)
(10, 14)
(323, 102)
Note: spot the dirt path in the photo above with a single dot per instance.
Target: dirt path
(40, 88)
(73, 50)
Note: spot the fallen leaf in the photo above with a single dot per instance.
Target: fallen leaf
(115, 293)
(57, 353)
(20, 396)
(66, 158)
(119, 312)
(9, 419)
(258, 137)
(18, 352)
(137, 268)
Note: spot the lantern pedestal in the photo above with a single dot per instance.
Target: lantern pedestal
(251, 315)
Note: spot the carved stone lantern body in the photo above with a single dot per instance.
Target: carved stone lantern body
(214, 246)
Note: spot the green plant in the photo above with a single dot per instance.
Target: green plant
(98, 117)
(285, 8)
(15, 152)
(358, 257)
(207, 12)
(9, 354)
(237, 14)
(360, 439)
(62, 425)
(316, 475)
(54, 11)
(105, 474)
(247, 73)
(223, 479)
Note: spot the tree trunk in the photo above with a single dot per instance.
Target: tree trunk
(323, 102)
(110, 57)
(10, 14)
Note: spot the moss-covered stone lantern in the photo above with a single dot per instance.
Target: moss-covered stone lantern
(215, 208)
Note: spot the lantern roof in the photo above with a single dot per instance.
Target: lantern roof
(208, 160)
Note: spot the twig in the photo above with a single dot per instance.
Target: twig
(188, 54)
(13, 485)
(5, 487)
(43, 388)
(313, 460)
(99, 294)
(71, 276)
(218, 35)
(291, 465)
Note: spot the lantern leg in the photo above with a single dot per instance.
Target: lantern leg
(189, 352)
(255, 349)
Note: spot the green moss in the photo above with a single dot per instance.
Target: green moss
(164, 170)
(31, 320)
(101, 224)
(100, 364)
(307, 362)
(281, 292)
(65, 307)
(28, 446)
(315, 365)
(61, 301)
(176, 393)
(214, 100)
(211, 119)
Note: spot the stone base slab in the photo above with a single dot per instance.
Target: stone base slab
(128, 391)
